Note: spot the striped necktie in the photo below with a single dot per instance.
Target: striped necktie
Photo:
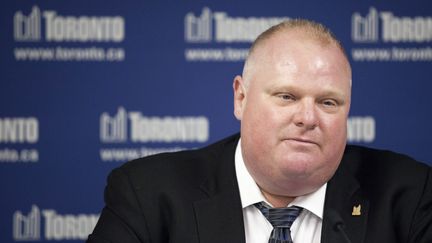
(281, 219)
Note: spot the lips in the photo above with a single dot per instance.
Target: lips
(304, 141)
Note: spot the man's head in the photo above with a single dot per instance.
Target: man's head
(293, 102)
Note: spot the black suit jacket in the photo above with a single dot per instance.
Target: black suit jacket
(193, 196)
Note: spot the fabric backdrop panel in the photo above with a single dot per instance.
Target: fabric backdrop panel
(88, 85)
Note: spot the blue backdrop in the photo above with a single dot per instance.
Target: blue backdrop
(88, 85)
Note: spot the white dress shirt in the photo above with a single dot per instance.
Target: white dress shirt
(305, 229)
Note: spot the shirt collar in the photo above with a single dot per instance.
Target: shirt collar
(251, 194)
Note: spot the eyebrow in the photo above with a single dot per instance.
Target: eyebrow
(329, 92)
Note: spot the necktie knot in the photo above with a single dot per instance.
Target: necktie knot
(281, 219)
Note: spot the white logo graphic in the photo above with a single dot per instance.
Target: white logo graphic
(361, 129)
(365, 29)
(227, 29)
(27, 28)
(68, 227)
(57, 226)
(60, 28)
(27, 227)
(388, 27)
(113, 129)
(152, 129)
(19, 130)
(406, 29)
(198, 29)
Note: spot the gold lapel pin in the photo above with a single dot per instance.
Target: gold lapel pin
(356, 210)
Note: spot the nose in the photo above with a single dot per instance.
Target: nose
(306, 115)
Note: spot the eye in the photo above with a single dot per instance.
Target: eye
(286, 97)
(329, 103)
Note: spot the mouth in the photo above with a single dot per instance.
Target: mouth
(303, 141)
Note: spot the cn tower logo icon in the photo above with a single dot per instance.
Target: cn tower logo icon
(28, 27)
(365, 28)
(198, 29)
(27, 227)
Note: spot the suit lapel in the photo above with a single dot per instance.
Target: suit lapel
(219, 216)
(219, 220)
(345, 198)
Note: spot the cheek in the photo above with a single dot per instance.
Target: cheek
(256, 111)
(335, 124)
(335, 134)
(264, 119)
(260, 126)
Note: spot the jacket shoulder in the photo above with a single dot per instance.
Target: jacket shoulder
(182, 166)
(375, 166)
(208, 153)
(365, 156)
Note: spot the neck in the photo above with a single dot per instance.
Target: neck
(277, 201)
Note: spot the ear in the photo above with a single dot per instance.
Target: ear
(239, 97)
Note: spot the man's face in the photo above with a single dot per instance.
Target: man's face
(293, 113)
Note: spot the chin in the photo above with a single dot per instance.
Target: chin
(302, 167)
(298, 169)
(300, 159)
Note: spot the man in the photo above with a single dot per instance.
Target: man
(290, 161)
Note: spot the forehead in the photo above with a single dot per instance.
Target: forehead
(298, 54)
